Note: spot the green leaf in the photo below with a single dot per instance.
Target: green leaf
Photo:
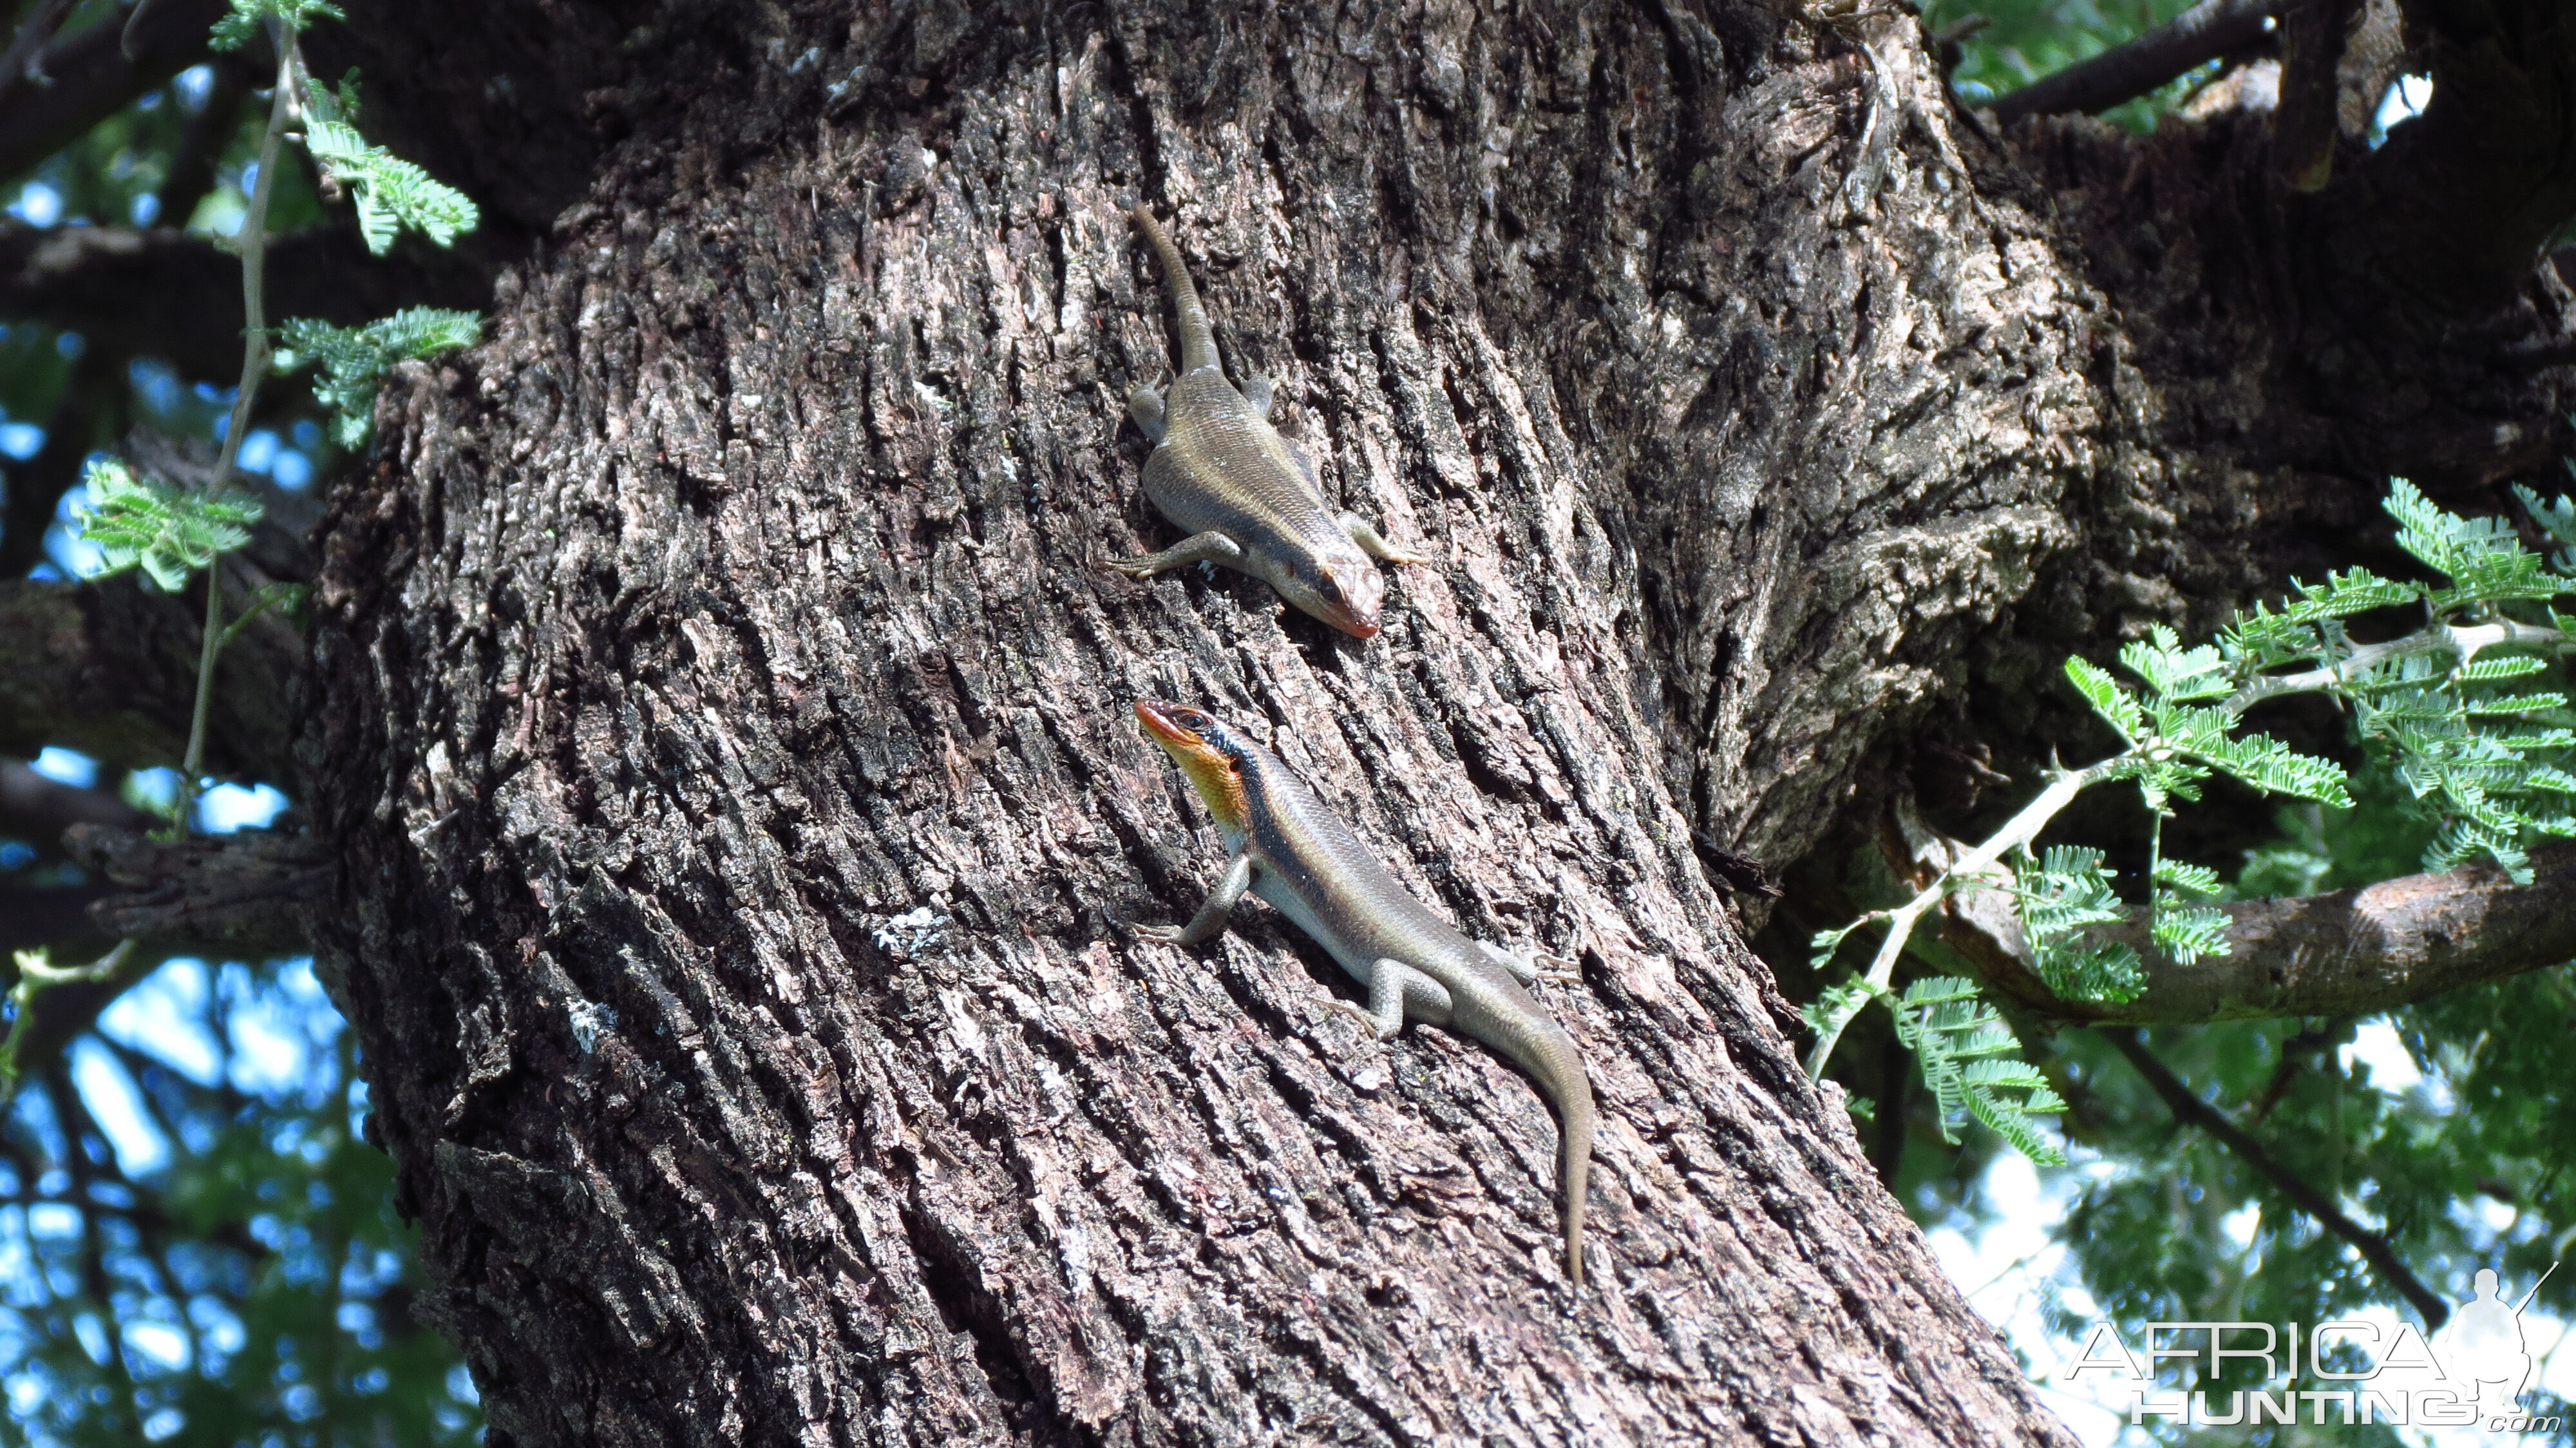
(1835, 1005)
(2174, 673)
(2483, 556)
(2268, 764)
(2516, 704)
(2058, 896)
(2189, 878)
(138, 522)
(2355, 590)
(2557, 519)
(2185, 933)
(2486, 670)
(354, 360)
(235, 29)
(391, 193)
(1971, 1066)
(2108, 699)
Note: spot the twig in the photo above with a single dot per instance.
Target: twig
(2017, 832)
(2187, 1107)
(2467, 641)
(2125, 72)
(253, 241)
(25, 57)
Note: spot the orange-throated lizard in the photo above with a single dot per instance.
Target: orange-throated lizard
(1248, 496)
(1287, 848)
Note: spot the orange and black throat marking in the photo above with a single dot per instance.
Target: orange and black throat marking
(1192, 738)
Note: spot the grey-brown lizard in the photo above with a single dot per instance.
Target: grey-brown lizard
(1287, 848)
(1248, 496)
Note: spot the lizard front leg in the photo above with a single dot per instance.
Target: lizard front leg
(1208, 547)
(1375, 545)
(1145, 405)
(1212, 915)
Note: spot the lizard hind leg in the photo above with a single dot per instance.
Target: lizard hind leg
(1209, 547)
(1257, 390)
(1391, 984)
(1374, 544)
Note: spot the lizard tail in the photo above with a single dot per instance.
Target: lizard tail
(1559, 1070)
(1198, 342)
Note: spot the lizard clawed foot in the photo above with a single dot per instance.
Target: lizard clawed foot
(1567, 972)
(1165, 934)
(1525, 968)
(1368, 1023)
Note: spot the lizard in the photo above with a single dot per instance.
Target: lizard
(1290, 850)
(1248, 496)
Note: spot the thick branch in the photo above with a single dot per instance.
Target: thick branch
(161, 292)
(2189, 1109)
(109, 669)
(2125, 72)
(2307, 122)
(239, 896)
(2352, 952)
(98, 72)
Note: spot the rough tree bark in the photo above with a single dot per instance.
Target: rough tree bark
(740, 599)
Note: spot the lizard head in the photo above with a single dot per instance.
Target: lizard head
(1344, 590)
(1209, 755)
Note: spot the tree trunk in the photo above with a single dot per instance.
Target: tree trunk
(741, 600)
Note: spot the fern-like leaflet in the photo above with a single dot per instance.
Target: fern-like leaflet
(353, 361)
(169, 533)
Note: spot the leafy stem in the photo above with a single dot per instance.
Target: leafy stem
(1977, 864)
(253, 245)
(2463, 642)
(2449, 705)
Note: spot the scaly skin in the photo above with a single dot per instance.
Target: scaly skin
(1291, 851)
(1248, 496)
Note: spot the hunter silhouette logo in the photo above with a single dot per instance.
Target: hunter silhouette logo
(2362, 1371)
(2484, 1350)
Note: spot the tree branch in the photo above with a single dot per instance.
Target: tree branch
(240, 896)
(2352, 952)
(2188, 1108)
(98, 72)
(109, 669)
(15, 66)
(2306, 122)
(234, 897)
(2125, 72)
(161, 292)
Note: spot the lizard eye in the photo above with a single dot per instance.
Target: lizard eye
(1330, 588)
